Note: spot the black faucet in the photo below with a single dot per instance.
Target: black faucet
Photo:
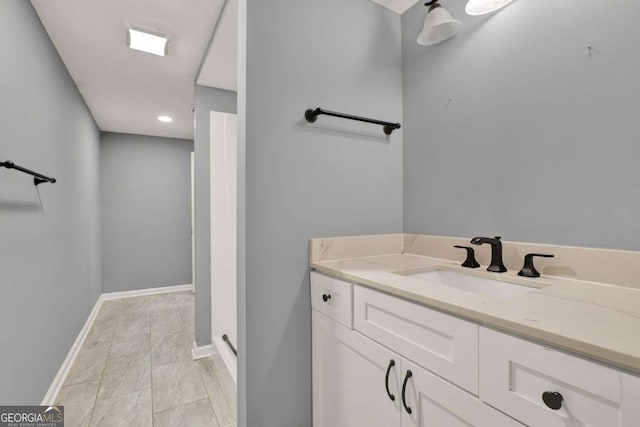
(496, 252)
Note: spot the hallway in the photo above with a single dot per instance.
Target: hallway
(136, 369)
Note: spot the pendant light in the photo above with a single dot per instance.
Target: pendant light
(439, 25)
(481, 7)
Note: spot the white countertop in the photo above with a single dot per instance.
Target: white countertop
(596, 320)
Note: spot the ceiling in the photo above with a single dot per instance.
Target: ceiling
(220, 67)
(127, 90)
(398, 6)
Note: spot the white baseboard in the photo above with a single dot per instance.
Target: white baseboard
(227, 381)
(229, 360)
(145, 292)
(202, 351)
(52, 394)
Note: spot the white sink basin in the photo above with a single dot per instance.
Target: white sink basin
(471, 283)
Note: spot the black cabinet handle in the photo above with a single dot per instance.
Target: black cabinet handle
(552, 399)
(392, 363)
(326, 297)
(404, 390)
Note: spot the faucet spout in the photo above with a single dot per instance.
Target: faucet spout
(497, 266)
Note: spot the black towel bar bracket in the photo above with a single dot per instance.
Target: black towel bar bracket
(312, 115)
(37, 177)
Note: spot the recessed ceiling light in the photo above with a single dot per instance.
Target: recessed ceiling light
(165, 119)
(481, 7)
(147, 42)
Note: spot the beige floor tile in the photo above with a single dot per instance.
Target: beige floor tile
(109, 313)
(124, 346)
(170, 348)
(223, 404)
(88, 365)
(132, 410)
(176, 384)
(132, 323)
(184, 298)
(125, 375)
(78, 401)
(160, 302)
(136, 305)
(99, 334)
(109, 309)
(165, 321)
(188, 320)
(194, 414)
(136, 361)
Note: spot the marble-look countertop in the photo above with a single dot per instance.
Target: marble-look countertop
(596, 320)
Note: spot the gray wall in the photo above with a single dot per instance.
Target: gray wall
(334, 177)
(207, 99)
(145, 191)
(50, 252)
(514, 127)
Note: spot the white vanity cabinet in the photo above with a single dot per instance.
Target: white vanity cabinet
(544, 387)
(349, 378)
(435, 402)
(444, 344)
(382, 361)
(358, 382)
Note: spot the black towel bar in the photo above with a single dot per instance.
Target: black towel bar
(312, 115)
(226, 339)
(37, 178)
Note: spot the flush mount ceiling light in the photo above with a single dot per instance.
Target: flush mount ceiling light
(147, 42)
(439, 25)
(481, 7)
(165, 119)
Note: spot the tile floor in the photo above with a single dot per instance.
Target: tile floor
(136, 369)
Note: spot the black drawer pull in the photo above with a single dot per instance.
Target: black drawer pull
(392, 363)
(552, 399)
(404, 390)
(326, 297)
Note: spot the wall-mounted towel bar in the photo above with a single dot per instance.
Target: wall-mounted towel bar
(226, 339)
(37, 178)
(312, 115)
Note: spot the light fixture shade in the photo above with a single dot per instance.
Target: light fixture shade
(439, 26)
(481, 7)
(147, 42)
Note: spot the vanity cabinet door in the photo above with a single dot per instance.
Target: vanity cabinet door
(543, 387)
(349, 372)
(435, 402)
(444, 344)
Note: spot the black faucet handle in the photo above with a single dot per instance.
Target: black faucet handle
(470, 262)
(528, 269)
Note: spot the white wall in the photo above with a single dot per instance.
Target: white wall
(223, 130)
(207, 100)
